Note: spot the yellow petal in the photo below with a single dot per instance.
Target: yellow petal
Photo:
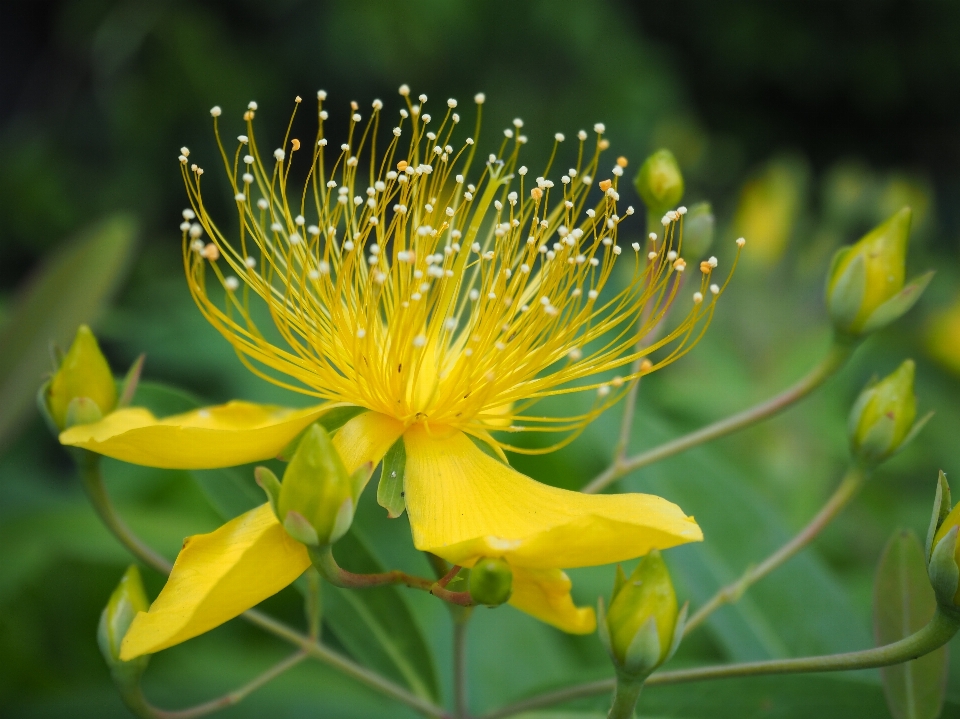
(545, 595)
(216, 577)
(222, 436)
(366, 438)
(464, 505)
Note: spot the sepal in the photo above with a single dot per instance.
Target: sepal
(270, 485)
(941, 508)
(490, 582)
(643, 654)
(898, 305)
(942, 569)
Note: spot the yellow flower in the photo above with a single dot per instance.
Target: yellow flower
(444, 303)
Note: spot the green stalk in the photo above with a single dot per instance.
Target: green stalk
(852, 481)
(940, 630)
(840, 351)
(625, 696)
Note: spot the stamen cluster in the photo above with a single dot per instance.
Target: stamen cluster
(401, 285)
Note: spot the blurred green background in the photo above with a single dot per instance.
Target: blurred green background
(804, 123)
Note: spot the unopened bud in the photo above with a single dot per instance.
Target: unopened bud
(643, 621)
(943, 549)
(698, 227)
(490, 582)
(317, 498)
(126, 601)
(865, 285)
(882, 419)
(83, 389)
(659, 182)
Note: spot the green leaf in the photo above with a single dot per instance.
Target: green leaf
(376, 625)
(71, 288)
(903, 602)
(390, 488)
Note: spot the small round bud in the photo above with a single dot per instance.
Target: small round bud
(490, 582)
(659, 182)
(83, 388)
(127, 600)
(883, 416)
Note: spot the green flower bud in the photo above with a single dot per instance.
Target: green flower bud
(83, 389)
(659, 182)
(945, 560)
(882, 419)
(490, 582)
(865, 286)
(643, 614)
(127, 599)
(698, 229)
(317, 498)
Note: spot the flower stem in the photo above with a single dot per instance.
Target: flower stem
(625, 696)
(138, 703)
(460, 683)
(731, 593)
(837, 356)
(89, 465)
(941, 629)
(325, 563)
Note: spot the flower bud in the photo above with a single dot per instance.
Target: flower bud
(698, 229)
(83, 389)
(126, 601)
(490, 582)
(944, 564)
(659, 182)
(643, 618)
(317, 498)
(882, 419)
(865, 286)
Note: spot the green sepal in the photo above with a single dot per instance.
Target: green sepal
(677, 632)
(643, 654)
(300, 529)
(128, 387)
(390, 488)
(942, 569)
(603, 630)
(270, 485)
(45, 409)
(619, 579)
(490, 582)
(898, 305)
(82, 410)
(877, 444)
(914, 431)
(941, 508)
(846, 293)
(343, 520)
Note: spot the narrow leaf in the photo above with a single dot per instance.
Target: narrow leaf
(390, 489)
(903, 602)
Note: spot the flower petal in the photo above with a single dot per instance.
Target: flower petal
(216, 577)
(366, 438)
(545, 595)
(464, 505)
(222, 436)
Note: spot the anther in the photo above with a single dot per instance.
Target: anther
(231, 283)
(215, 111)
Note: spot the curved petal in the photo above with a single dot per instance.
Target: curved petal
(216, 577)
(222, 436)
(545, 595)
(464, 505)
(366, 438)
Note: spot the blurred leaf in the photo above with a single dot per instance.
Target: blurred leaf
(741, 528)
(376, 625)
(903, 602)
(70, 289)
